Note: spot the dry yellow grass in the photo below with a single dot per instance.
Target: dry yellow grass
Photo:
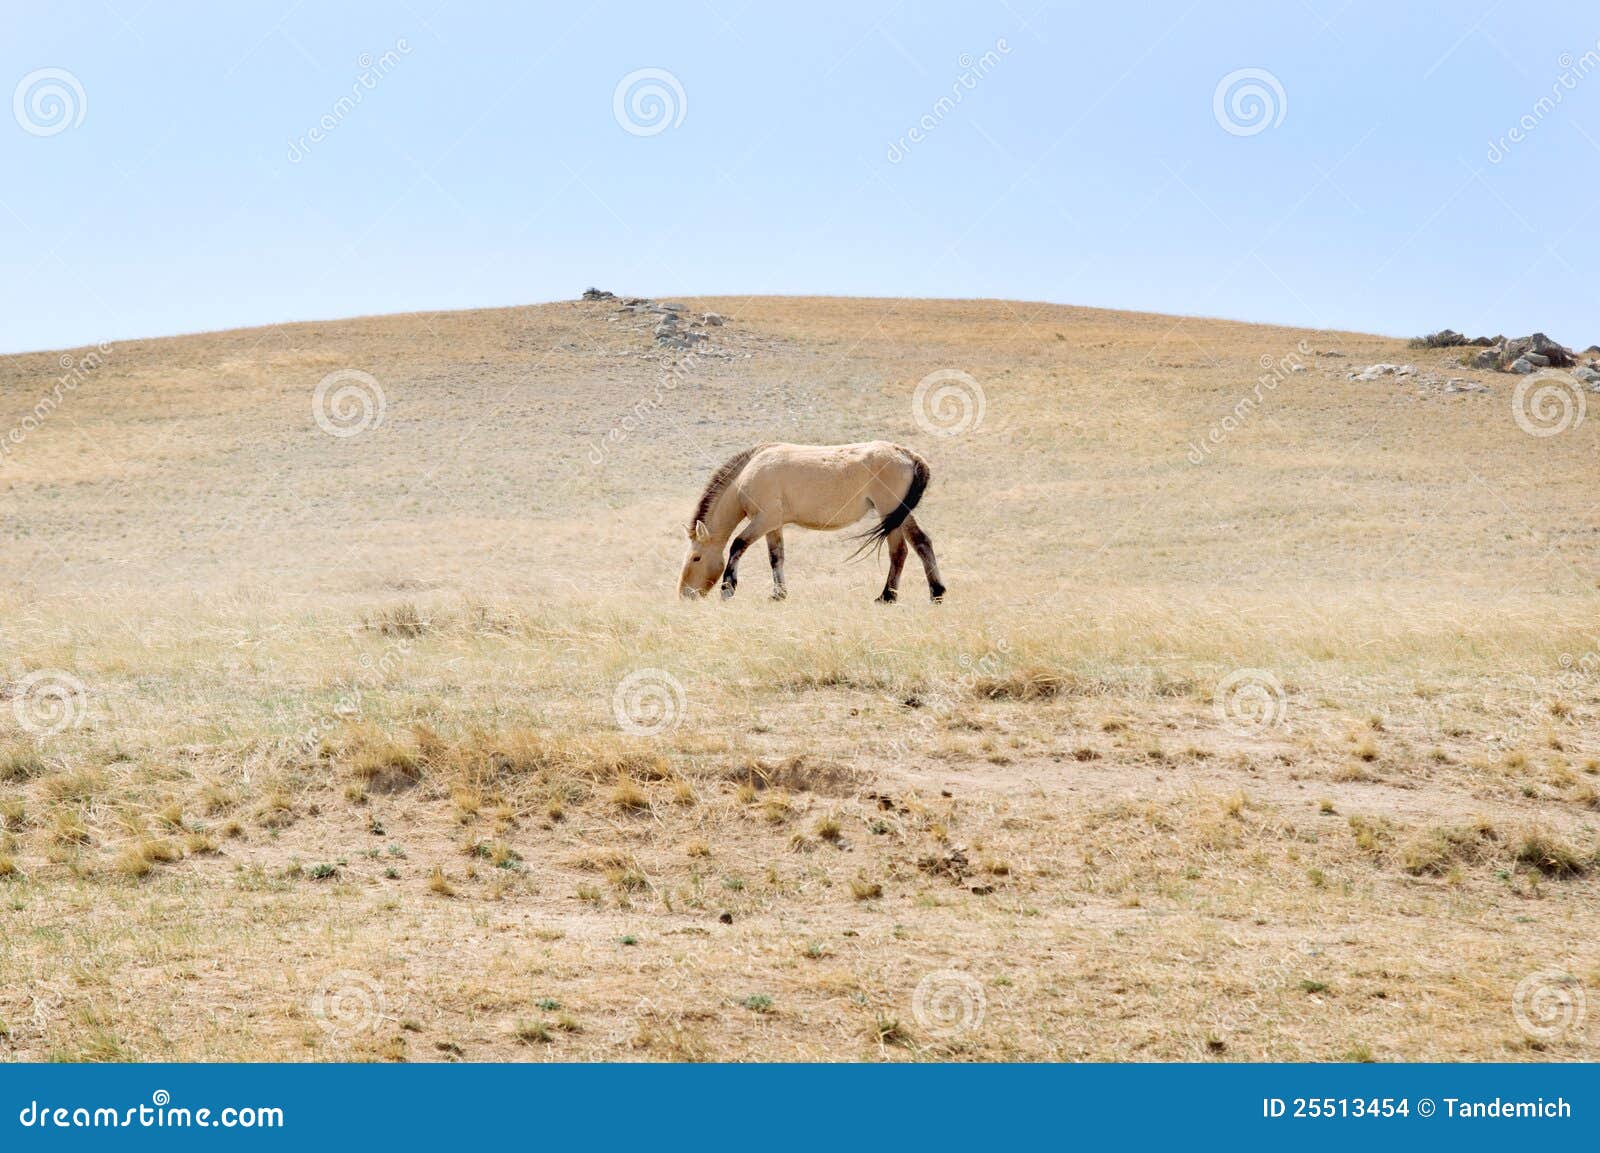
(1288, 754)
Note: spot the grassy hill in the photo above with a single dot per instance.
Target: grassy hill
(1258, 723)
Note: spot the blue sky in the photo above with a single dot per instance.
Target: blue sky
(1086, 161)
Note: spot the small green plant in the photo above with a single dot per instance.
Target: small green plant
(758, 1003)
(533, 1033)
(889, 1031)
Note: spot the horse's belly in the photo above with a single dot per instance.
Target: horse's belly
(839, 516)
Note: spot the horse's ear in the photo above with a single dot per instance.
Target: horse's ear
(700, 531)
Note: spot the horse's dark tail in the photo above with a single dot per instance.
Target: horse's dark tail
(875, 536)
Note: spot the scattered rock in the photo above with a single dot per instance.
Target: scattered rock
(1557, 354)
(1522, 366)
(674, 328)
(598, 294)
(1376, 371)
(1586, 374)
(1450, 338)
(1537, 351)
(1329, 352)
(887, 803)
(951, 863)
(1501, 354)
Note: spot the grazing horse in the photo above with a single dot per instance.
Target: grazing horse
(814, 486)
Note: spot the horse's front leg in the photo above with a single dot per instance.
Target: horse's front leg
(753, 531)
(775, 554)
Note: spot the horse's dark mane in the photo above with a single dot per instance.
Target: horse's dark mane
(720, 480)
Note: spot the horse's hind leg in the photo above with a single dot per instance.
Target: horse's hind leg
(924, 547)
(775, 553)
(897, 561)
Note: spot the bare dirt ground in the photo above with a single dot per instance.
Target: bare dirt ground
(1259, 722)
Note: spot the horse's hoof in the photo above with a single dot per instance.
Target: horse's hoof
(886, 598)
(727, 592)
(779, 595)
(936, 594)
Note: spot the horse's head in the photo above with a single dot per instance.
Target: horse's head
(702, 564)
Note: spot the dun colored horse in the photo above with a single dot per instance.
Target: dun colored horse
(814, 486)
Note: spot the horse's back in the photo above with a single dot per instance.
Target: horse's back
(866, 453)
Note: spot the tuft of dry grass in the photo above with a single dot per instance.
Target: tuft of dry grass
(629, 797)
(864, 890)
(1551, 855)
(139, 858)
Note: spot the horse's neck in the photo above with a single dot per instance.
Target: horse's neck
(724, 516)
